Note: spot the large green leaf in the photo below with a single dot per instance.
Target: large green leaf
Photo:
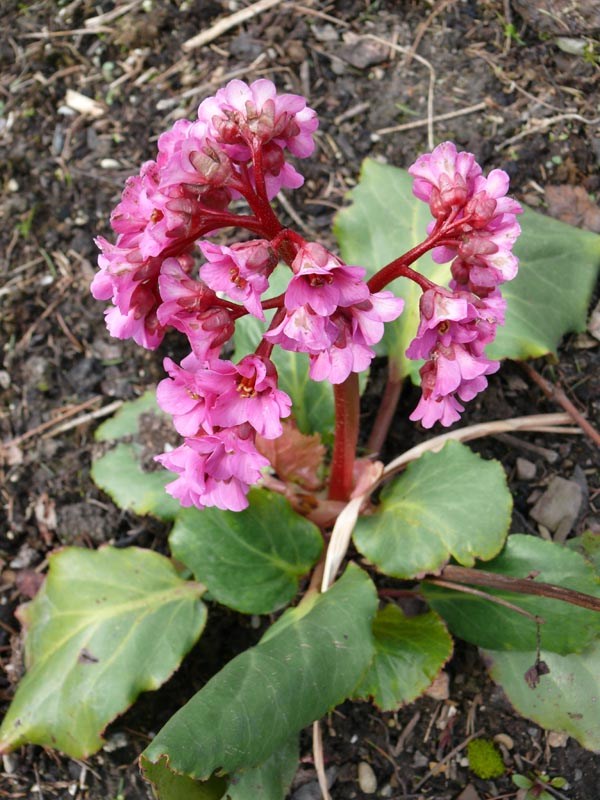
(268, 781)
(311, 661)
(567, 699)
(313, 407)
(451, 503)
(409, 653)
(558, 266)
(250, 560)
(106, 625)
(567, 628)
(119, 470)
(119, 473)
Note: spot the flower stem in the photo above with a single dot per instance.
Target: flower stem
(399, 268)
(385, 412)
(341, 479)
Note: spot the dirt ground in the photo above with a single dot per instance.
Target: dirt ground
(85, 89)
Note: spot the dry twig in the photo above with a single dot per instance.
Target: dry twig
(320, 760)
(225, 24)
(555, 393)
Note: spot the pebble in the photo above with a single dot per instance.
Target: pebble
(558, 508)
(110, 163)
(468, 793)
(558, 738)
(366, 778)
(525, 469)
(311, 790)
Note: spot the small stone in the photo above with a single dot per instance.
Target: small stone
(24, 558)
(468, 793)
(118, 740)
(558, 508)
(363, 53)
(110, 163)
(366, 778)
(558, 738)
(525, 469)
(4, 379)
(295, 51)
(419, 760)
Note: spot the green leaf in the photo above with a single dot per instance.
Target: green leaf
(249, 560)
(171, 786)
(119, 473)
(313, 407)
(125, 422)
(567, 628)
(558, 268)
(409, 653)
(106, 625)
(567, 699)
(270, 780)
(119, 470)
(251, 708)
(451, 503)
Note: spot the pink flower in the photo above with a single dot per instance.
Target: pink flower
(444, 178)
(191, 391)
(241, 118)
(323, 283)
(453, 331)
(253, 397)
(303, 331)
(191, 307)
(241, 271)
(473, 212)
(214, 470)
(357, 328)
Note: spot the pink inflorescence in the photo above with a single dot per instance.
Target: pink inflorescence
(237, 148)
(476, 226)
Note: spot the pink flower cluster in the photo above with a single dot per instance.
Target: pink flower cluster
(219, 407)
(332, 315)
(476, 226)
(237, 146)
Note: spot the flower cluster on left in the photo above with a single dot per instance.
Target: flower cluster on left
(237, 148)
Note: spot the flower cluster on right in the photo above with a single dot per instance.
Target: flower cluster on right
(476, 227)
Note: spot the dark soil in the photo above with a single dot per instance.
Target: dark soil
(533, 97)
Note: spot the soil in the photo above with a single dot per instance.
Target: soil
(522, 81)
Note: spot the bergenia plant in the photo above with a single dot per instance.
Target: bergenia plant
(265, 511)
(240, 147)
